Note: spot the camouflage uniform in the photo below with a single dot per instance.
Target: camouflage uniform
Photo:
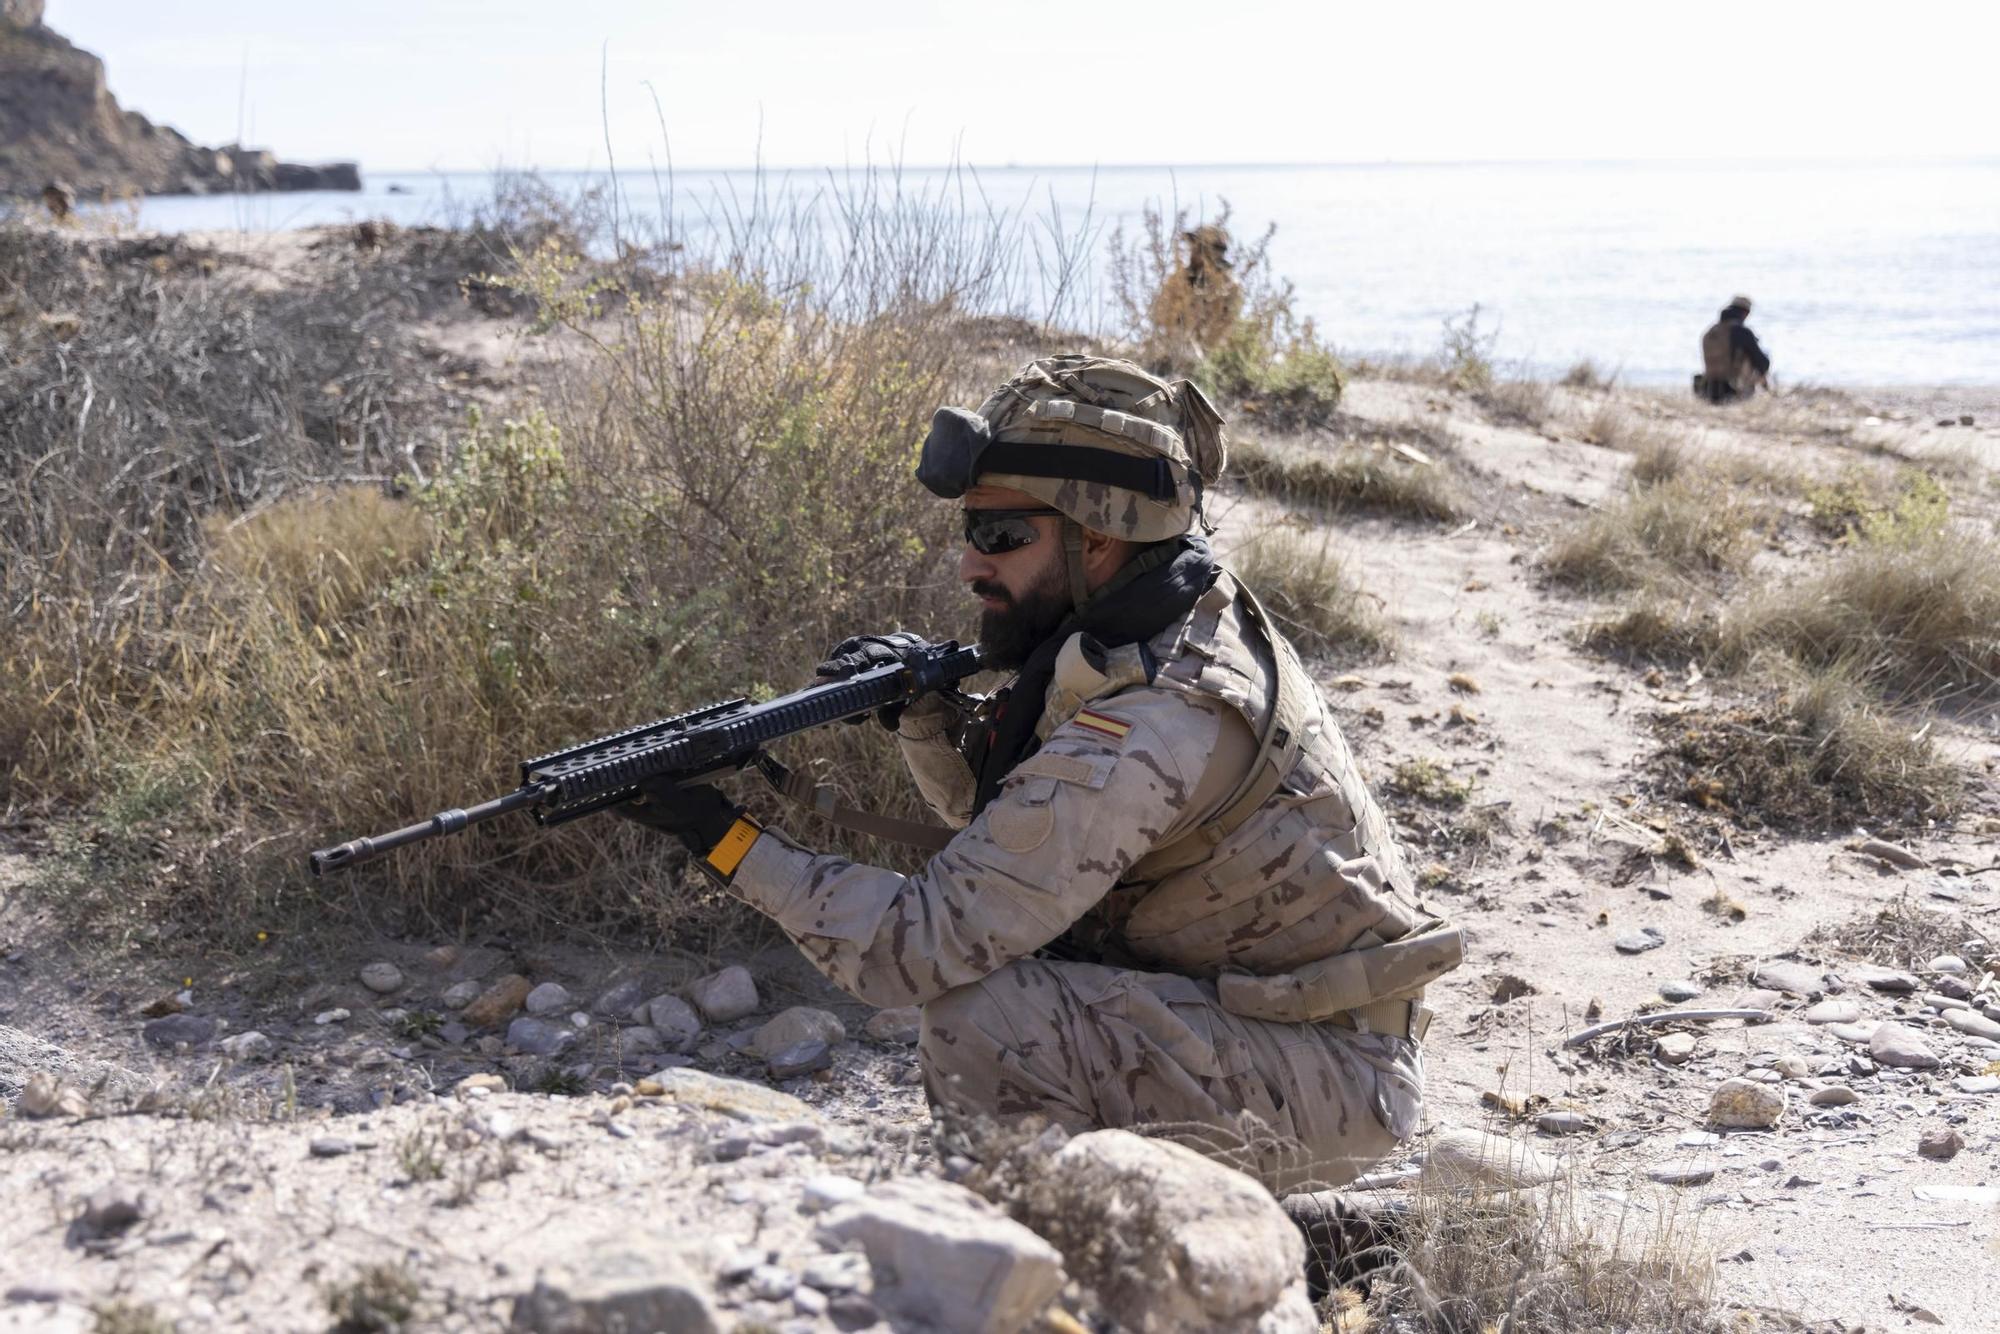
(1182, 907)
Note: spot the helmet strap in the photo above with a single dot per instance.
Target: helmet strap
(1072, 541)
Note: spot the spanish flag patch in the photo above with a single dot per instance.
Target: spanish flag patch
(1102, 725)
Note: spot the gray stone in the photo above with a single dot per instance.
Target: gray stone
(1885, 979)
(330, 1146)
(801, 1058)
(771, 1283)
(618, 1002)
(1976, 1025)
(676, 1022)
(1833, 1095)
(1832, 1012)
(809, 1302)
(548, 998)
(1562, 1122)
(725, 996)
(1947, 963)
(112, 1209)
(1674, 1048)
(616, 1285)
(1859, 1034)
(1955, 987)
(902, 1024)
(381, 977)
(1783, 975)
(1893, 1044)
(1746, 1104)
(1792, 1066)
(247, 1046)
(822, 1193)
(1941, 1143)
(539, 1037)
(1938, 1000)
(174, 1029)
(641, 1040)
(1685, 1173)
(1978, 1083)
(732, 1097)
(843, 1271)
(459, 995)
(1757, 998)
(1638, 942)
(453, 1032)
(801, 1023)
(1473, 1157)
(945, 1257)
(1679, 991)
(340, 1014)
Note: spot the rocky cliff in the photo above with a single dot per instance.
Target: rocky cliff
(60, 123)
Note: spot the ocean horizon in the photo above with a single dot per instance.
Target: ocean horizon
(1865, 273)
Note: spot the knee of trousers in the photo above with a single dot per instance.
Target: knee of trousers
(961, 1029)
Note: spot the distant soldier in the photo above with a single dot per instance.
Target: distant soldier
(1733, 365)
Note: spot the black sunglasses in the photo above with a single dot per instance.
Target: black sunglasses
(996, 532)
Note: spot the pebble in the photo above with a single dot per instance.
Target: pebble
(1858, 1034)
(1938, 1000)
(1764, 1076)
(1791, 1066)
(1946, 963)
(334, 1016)
(1757, 998)
(801, 1058)
(112, 1209)
(1941, 1143)
(539, 1037)
(809, 1302)
(459, 995)
(1744, 1103)
(902, 1024)
(548, 998)
(1674, 1048)
(726, 995)
(1978, 1083)
(381, 977)
(1638, 942)
(826, 1192)
(1894, 1044)
(1955, 987)
(1977, 1025)
(330, 1146)
(801, 1023)
(1860, 1066)
(675, 1021)
(1698, 1139)
(174, 1029)
(1833, 1095)
(741, 1264)
(1682, 1174)
(842, 1271)
(1832, 1012)
(618, 1002)
(498, 1003)
(1562, 1122)
(1885, 979)
(247, 1046)
(641, 1039)
(1770, 1164)
(1782, 975)
(772, 1282)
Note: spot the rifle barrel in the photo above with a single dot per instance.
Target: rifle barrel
(444, 822)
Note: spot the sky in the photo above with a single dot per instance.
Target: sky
(473, 84)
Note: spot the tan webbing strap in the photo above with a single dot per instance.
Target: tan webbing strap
(819, 798)
(1278, 749)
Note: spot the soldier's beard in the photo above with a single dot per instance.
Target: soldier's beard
(1009, 635)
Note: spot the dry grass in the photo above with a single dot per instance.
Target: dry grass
(1810, 750)
(1587, 375)
(1904, 935)
(1518, 402)
(1355, 478)
(1685, 526)
(1301, 580)
(1659, 624)
(1427, 780)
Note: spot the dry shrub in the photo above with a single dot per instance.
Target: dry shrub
(1686, 526)
(1302, 582)
(1659, 625)
(1539, 1262)
(1518, 402)
(1810, 750)
(1918, 614)
(1357, 478)
(1904, 935)
(1587, 374)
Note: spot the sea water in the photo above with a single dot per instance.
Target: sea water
(1861, 273)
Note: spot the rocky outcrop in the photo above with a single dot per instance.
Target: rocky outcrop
(59, 124)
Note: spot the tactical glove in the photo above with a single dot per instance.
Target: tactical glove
(862, 653)
(698, 815)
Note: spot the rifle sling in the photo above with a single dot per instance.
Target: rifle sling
(819, 798)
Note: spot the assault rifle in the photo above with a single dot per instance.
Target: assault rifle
(566, 784)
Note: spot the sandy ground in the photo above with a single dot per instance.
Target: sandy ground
(1831, 1216)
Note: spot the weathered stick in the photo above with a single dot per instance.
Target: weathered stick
(1663, 1017)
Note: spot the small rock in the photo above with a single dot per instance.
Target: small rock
(539, 1037)
(734, 1097)
(1698, 1139)
(676, 1022)
(1978, 1083)
(498, 1003)
(1638, 942)
(112, 1209)
(381, 977)
(338, 1015)
(1473, 1157)
(1782, 975)
(822, 1193)
(442, 958)
(1947, 963)
(548, 998)
(459, 995)
(1757, 998)
(801, 1058)
(1562, 1122)
(1976, 1025)
(726, 995)
(619, 1001)
(641, 1040)
(617, 1282)
(1682, 1174)
(1858, 1034)
(842, 1271)
(481, 1083)
(1770, 1164)
(1791, 1066)
(1679, 991)
(175, 1029)
(1941, 1143)
(801, 1023)
(903, 1024)
(1745, 1103)
(809, 1302)
(1885, 979)
(1832, 1012)
(1833, 1095)
(1893, 1044)
(1954, 987)
(330, 1146)
(47, 1095)
(771, 1283)
(1674, 1048)
(247, 1046)
(739, 1265)
(1504, 987)
(453, 1032)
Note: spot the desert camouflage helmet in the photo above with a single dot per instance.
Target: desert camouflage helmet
(1117, 450)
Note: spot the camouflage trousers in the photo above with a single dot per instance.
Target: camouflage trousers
(1298, 1106)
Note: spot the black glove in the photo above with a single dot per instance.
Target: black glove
(698, 815)
(861, 653)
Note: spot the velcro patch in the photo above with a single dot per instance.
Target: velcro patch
(1102, 724)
